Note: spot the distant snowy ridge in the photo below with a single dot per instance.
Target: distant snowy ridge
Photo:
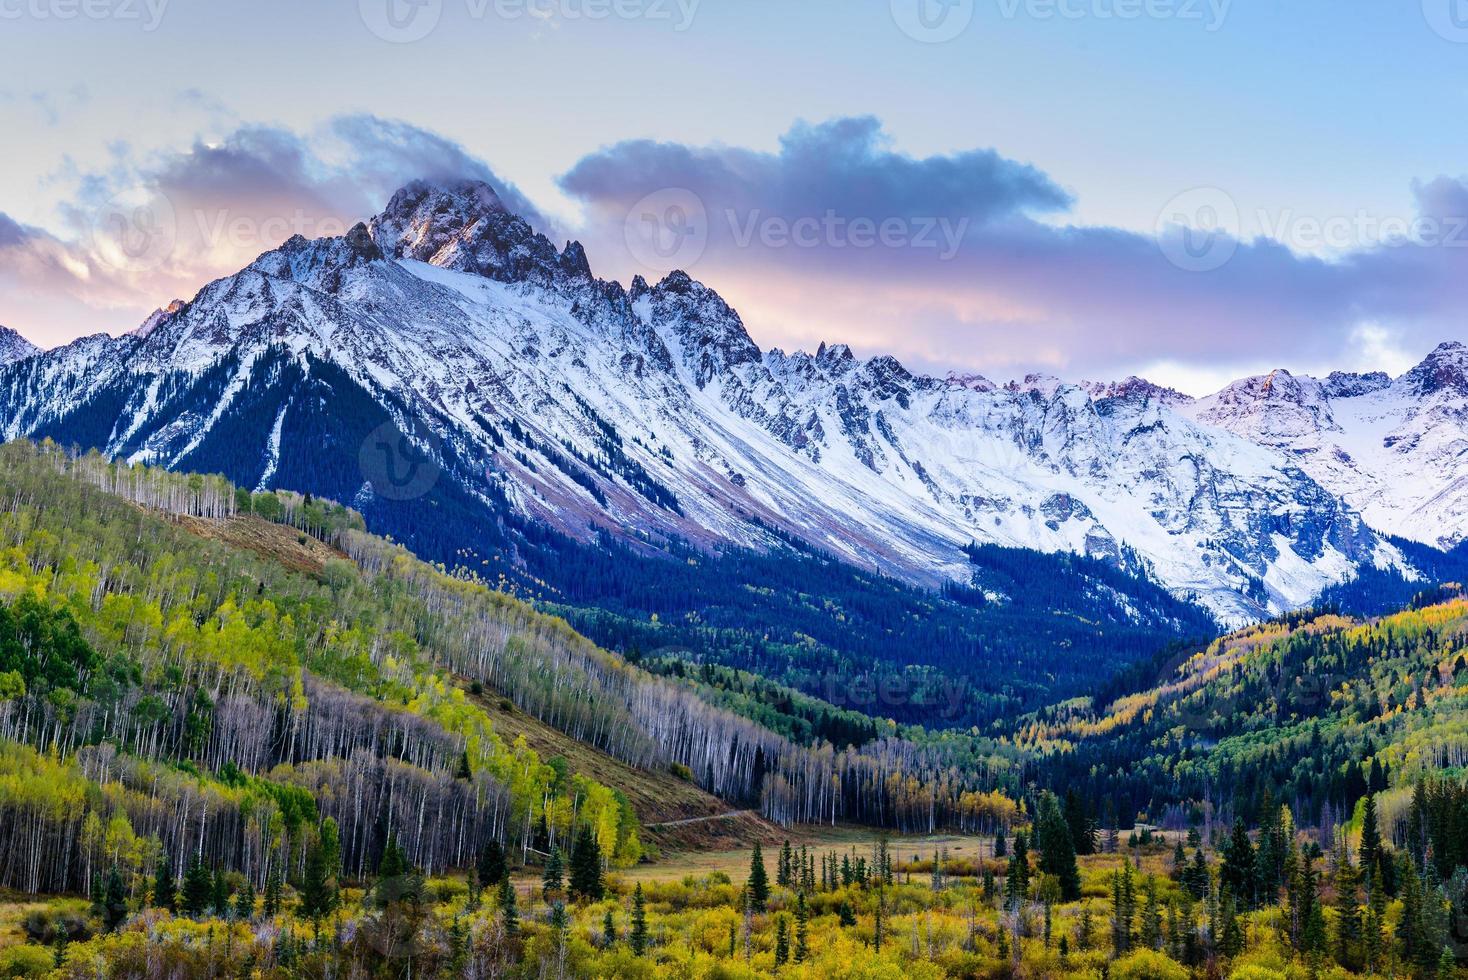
(649, 412)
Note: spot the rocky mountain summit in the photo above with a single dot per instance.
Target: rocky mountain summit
(647, 415)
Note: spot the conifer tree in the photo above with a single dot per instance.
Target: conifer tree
(609, 929)
(272, 892)
(586, 872)
(1123, 909)
(1151, 915)
(508, 911)
(114, 900)
(165, 893)
(759, 882)
(244, 905)
(1237, 870)
(1348, 909)
(198, 888)
(782, 942)
(1017, 880)
(492, 865)
(219, 897)
(552, 880)
(318, 896)
(1057, 850)
(802, 928)
(638, 935)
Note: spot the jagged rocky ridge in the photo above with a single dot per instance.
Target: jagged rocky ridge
(14, 347)
(528, 386)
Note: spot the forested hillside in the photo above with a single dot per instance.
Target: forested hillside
(222, 712)
(171, 687)
(1316, 710)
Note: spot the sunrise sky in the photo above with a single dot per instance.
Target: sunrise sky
(1256, 184)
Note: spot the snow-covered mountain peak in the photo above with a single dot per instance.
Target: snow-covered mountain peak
(14, 347)
(706, 331)
(159, 317)
(1350, 384)
(1137, 389)
(650, 413)
(1445, 369)
(465, 226)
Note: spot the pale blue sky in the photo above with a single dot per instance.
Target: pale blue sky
(1316, 108)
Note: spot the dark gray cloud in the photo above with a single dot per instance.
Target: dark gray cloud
(1020, 289)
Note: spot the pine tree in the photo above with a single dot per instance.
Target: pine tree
(846, 915)
(1237, 870)
(165, 893)
(492, 865)
(880, 923)
(1017, 880)
(508, 911)
(272, 892)
(783, 875)
(639, 923)
(114, 900)
(1231, 934)
(244, 906)
(1123, 909)
(586, 873)
(759, 882)
(782, 942)
(1057, 851)
(1348, 909)
(802, 928)
(553, 878)
(318, 896)
(1082, 828)
(1085, 929)
(198, 889)
(219, 897)
(1151, 915)
(609, 929)
(1371, 850)
(1374, 941)
(464, 771)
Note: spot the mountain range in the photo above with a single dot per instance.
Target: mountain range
(448, 364)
